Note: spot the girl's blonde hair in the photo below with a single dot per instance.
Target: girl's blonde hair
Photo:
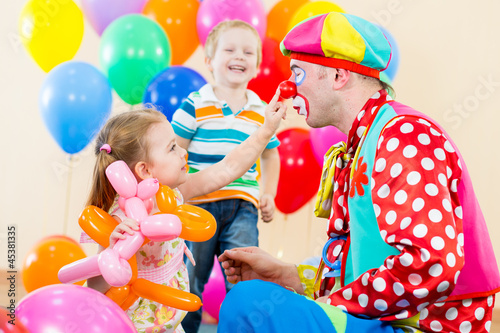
(214, 35)
(126, 135)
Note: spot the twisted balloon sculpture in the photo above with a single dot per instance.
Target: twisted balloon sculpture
(118, 265)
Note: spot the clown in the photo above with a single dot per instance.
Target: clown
(404, 221)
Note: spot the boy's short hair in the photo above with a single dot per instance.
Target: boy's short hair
(214, 35)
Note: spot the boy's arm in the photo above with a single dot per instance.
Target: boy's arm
(270, 173)
(239, 160)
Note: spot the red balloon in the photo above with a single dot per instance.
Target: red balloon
(300, 173)
(9, 323)
(288, 89)
(269, 74)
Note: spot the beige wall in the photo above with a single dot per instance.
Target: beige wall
(449, 61)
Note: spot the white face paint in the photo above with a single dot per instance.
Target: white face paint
(300, 103)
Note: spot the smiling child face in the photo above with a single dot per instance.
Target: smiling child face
(234, 62)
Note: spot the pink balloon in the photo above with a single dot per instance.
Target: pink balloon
(323, 138)
(101, 13)
(122, 179)
(162, 227)
(71, 308)
(215, 291)
(212, 12)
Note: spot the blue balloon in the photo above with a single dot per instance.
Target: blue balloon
(168, 89)
(394, 64)
(75, 101)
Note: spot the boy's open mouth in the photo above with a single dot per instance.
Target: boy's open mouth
(237, 68)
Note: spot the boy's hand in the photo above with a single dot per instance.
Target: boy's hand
(267, 207)
(275, 111)
(127, 226)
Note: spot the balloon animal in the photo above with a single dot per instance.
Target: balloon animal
(117, 265)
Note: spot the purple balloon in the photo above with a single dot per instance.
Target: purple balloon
(71, 308)
(212, 12)
(323, 138)
(101, 13)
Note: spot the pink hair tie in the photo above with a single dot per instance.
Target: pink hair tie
(106, 147)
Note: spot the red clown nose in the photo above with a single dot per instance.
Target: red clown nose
(288, 89)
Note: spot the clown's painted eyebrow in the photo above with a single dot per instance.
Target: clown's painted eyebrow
(294, 67)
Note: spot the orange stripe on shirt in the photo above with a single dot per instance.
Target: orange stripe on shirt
(224, 195)
(251, 116)
(208, 112)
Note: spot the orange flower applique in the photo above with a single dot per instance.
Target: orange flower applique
(359, 178)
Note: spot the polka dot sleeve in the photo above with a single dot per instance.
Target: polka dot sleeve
(415, 199)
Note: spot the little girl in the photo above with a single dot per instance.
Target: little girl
(145, 141)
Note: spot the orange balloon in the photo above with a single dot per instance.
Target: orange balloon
(118, 294)
(166, 200)
(132, 297)
(172, 297)
(279, 18)
(46, 258)
(97, 224)
(311, 9)
(198, 225)
(178, 20)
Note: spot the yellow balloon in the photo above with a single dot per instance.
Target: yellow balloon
(51, 31)
(311, 9)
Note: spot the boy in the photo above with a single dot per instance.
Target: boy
(209, 124)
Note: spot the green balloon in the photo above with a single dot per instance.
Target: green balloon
(133, 50)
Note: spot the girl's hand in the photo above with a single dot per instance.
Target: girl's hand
(126, 226)
(275, 111)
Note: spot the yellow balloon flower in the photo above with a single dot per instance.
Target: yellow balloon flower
(51, 31)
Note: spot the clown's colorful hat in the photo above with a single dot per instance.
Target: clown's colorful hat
(339, 40)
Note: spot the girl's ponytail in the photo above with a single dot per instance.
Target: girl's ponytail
(102, 193)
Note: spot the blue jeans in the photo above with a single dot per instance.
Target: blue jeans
(236, 227)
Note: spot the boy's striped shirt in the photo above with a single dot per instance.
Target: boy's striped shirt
(214, 130)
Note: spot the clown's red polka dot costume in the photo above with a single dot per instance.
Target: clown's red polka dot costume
(409, 172)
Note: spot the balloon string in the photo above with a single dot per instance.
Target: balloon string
(45, 206)
(280, 253)
(309, 224)
(68, 193)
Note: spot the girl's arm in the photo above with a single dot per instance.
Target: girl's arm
(240, 159)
